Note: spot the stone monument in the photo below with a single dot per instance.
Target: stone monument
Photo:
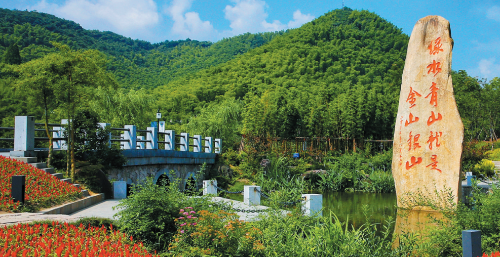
(428, 131)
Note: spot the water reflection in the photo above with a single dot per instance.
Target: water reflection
(349, 206)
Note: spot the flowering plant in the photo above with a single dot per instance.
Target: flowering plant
(67, 240)
(42, 189)
(218, 233)
(495, 254)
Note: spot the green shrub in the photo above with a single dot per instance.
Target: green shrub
(485, 168)
(93, 177)
(483, 215)
(379, 182)
(150, 211)
(204, 233)
(473, 152)
(494, 154)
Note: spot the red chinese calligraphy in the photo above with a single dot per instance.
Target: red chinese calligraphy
(433, 94)
(413, 141)
(434, 163)
(433, 118)
(411, 97)
(414, 161)
(412, 120)
(434, 67)
(436, 47)
(433, 138)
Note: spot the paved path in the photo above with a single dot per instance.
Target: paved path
(101, 210)
(105, 210)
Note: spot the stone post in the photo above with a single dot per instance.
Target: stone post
(218, 145)
(471, 243)
(60, 144)
(313, 204)
(104, 126)
(210, 187)
(208, 144)
(469, 177)
(250, 195)
(141, 145)
(184, 142)
(162, 126)
(119, 190)
(131, 136)
(170, 140)
(24, 137)
(197, 144)
(18, 188)
(152, 136)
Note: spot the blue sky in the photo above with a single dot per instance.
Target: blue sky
(475, 25)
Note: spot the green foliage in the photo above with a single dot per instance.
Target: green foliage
(94, 177)
(91, 142)
(219, 120)
(150, 211)
(350, 172)
(494, 154)
(12, 55)
(485, 169)
(445, 239)
(203, 233)
(473, 152)
(297, 235)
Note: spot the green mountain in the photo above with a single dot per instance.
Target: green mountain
(337, 76)
(135, 63)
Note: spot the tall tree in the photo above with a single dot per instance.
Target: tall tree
(75, 74)
(12, 55)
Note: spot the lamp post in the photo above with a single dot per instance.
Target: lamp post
(158, 116)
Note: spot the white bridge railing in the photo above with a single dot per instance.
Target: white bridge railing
(24, 138)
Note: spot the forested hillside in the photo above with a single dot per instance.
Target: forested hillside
(337, 76)
(135, 63)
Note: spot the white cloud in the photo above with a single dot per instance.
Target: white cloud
(250, 16)
(189, 25)
(122, 16)
(299, 19)
(493, 13)
(488, 68)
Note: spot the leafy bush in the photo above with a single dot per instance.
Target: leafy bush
(494, 154)
(485, 168)
(483, 215)
(214, 233)
(94, 178)
(150, 211)
(379, 182)
(473, 152)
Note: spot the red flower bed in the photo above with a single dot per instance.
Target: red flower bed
(42, 189)
(66, 240)
(496, 254)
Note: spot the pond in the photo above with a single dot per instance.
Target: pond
(349, 207)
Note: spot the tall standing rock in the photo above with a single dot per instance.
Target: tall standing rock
(428, 132)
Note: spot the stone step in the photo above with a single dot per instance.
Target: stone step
(67, 180)
(25, 159)
(58, 175)
(85, 193)
(49, 170)
(39, 165)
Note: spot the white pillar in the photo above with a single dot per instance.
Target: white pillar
(104, 126)
(24, 137)
(250, 195)
(170, 140)
(313, 204)
(197, 144)
(184, 142)
(131, 136)
(152, 136)
(162, 126)
(141, 145)
(60, 144)
(218, 145)
(210, 187)
(208, 144)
